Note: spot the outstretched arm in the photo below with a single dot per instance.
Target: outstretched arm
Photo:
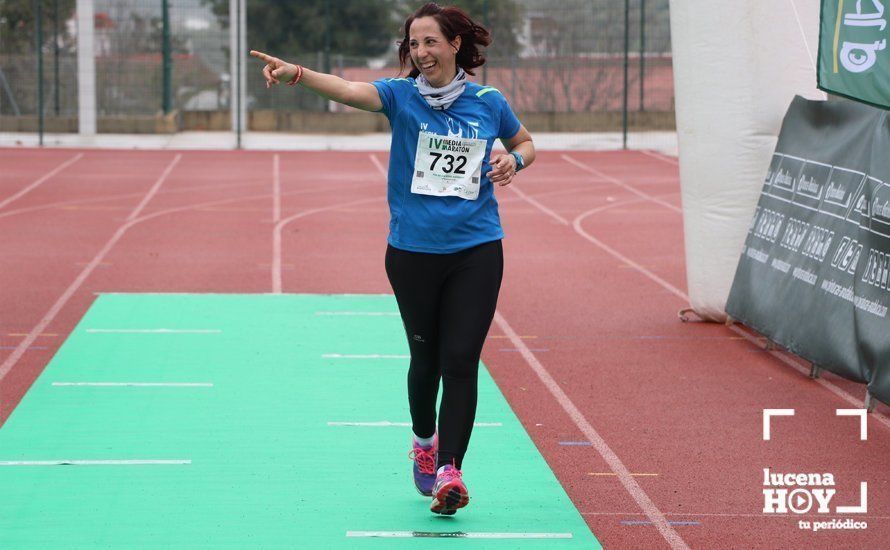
(360, 95)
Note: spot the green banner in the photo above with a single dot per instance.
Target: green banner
(814, 274)
(854, 57)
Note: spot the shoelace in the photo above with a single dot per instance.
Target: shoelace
(450, 473)
(425, 459)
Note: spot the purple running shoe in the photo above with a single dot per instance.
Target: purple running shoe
(424, 466)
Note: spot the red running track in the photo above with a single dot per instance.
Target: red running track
(587, 346)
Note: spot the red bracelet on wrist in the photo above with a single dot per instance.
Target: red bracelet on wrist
(297, 77)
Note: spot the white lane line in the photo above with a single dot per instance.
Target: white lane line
(621, 184)
(360, 313)
(106, 198)
(41, 326)
(805, 370)
(374, 356)
(41, 180)
(388, 424)
(280, 224)
(841, 393)
(576, 224)
(540, 206)
(13, 358)
(276, 219)
(378, 165)
(93, 462)
(279, 228)
(624, 475)
(584, 189)
(138, 384)
(660, 156)
(152, 331)
(276, 189)
(455, 535)
(682, 295)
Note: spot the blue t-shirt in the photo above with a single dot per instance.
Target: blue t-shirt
(435, 224)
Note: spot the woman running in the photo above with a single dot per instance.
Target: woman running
(444, 257)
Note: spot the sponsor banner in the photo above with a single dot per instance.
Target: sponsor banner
(854, 57)
(814, 274)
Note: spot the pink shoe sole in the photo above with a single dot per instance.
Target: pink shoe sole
(450, 498)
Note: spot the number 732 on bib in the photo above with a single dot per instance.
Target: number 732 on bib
(448, 166)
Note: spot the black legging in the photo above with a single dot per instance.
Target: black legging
(447, 302)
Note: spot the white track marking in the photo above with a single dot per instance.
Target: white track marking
(388, 424)
(280, 224)
(154, 190)
(360, 313)
(339, 356)
(455, 535)
(107, 198)
(41, 180)
(279, 228)
(621, 184)
(198, 206)
(152, 331)
(93, 462)
(843, 394)
(378, 165)
(10, 361)
(805, 370)
(507, 200)
(276, 189)
(624, 475)
(137, 384)
(276, 219)
(576, 224)
(97, 259)
(529, 199)
(660, 156)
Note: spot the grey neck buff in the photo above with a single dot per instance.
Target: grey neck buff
(442, 98)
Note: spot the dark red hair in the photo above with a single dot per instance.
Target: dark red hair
(453, 22)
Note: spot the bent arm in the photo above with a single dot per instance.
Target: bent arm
(521, 143)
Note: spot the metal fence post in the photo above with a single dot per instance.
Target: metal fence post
(626, 69)
(38, 42)
(642, 51)
(167, 100)
(237, 53)
(56, 56)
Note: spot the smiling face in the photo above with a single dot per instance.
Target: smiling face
(431, 52)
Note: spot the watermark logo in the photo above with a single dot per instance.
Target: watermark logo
(811, 492)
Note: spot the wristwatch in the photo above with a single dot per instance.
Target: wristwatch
(520, 163)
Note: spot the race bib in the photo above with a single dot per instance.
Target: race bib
(448, 166)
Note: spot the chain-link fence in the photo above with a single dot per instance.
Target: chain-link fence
(149, 59)
(21, 31)
(567, 65)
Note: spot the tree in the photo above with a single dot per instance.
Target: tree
(503, 18)
(18, 23)
(360, 28)
(18, 54)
